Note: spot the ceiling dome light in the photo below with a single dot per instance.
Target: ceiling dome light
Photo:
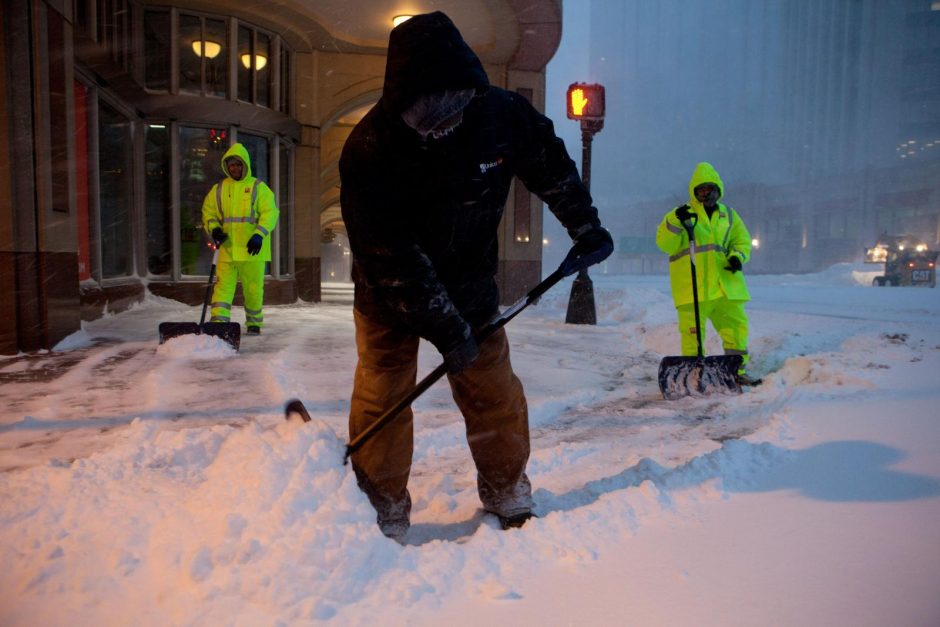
(398, 19)
(212, 49)
(260, 61)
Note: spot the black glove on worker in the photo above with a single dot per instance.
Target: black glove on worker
(683, 214)
(462, 356)
(734, 263)
(254, 244)
(591, 246)
(218, 236)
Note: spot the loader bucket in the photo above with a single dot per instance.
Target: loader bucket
(698, 376)
(229, 332)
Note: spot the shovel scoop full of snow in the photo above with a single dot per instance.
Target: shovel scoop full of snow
(229, 332)
(698, 376)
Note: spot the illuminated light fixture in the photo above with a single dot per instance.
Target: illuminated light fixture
(755, 243)
(207, 49)
(398, 19)
(260, 61)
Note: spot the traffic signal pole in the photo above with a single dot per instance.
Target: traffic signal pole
(581, 308)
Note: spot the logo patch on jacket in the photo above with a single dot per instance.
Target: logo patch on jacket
(492, 164)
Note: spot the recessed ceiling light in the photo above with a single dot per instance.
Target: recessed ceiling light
(398, 19)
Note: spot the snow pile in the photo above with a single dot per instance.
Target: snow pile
(196, 346)
(270, 519)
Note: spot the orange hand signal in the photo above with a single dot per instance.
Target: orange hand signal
(578, 101)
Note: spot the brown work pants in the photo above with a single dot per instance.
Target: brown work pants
(489, 396)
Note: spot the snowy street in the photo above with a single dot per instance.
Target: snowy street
(155, 485)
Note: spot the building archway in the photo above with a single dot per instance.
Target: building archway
(335, 256)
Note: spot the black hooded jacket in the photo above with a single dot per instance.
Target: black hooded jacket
(423, 215)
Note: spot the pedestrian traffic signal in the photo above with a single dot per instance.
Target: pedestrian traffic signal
(585, 101)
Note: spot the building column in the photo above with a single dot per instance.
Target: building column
(38, 249)
(307, 216)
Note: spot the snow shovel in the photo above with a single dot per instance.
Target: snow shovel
(681, 376)
(229, 332)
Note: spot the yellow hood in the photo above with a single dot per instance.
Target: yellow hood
(704, 173)
(239, 151)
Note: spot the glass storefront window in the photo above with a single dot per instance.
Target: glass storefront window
(115, 191)
(200, 163)
(263, 66)
(245, 75)
(157, 50)
(284, 206)
(205, 53)
(203, 56)
(216, 58)
(190, 31)
(254, 66)
(157, 199)
(203, 59)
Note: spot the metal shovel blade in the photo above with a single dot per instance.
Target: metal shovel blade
(170, 330)
(229, 332)
(698, 376)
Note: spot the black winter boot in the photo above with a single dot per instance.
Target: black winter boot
(515, 521)
(745, 379)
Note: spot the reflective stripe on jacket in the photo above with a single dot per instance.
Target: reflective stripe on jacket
(716, 238)
(242, 208)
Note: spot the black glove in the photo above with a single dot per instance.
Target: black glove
(462, 356)
(218, 236)
(590, 247)
(683, 214)
(254, 244)
(734, 263)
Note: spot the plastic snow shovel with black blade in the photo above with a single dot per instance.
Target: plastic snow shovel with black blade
(572, 264)
(681, 376)
(229, 332)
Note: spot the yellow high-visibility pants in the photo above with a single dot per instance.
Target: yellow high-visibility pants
(728, 319)
(251, 274)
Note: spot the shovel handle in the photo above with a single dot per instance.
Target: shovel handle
(205, 302)
(491, 327)
(690, 229)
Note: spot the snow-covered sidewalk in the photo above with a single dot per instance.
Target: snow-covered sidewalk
(160, 485)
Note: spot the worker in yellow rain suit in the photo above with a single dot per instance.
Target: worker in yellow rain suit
(239, 214)
(722, 247)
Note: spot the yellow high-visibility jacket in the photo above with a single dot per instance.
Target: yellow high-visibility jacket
(242, 208)
(716, 238)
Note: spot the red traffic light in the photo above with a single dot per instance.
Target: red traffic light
(586, 101)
